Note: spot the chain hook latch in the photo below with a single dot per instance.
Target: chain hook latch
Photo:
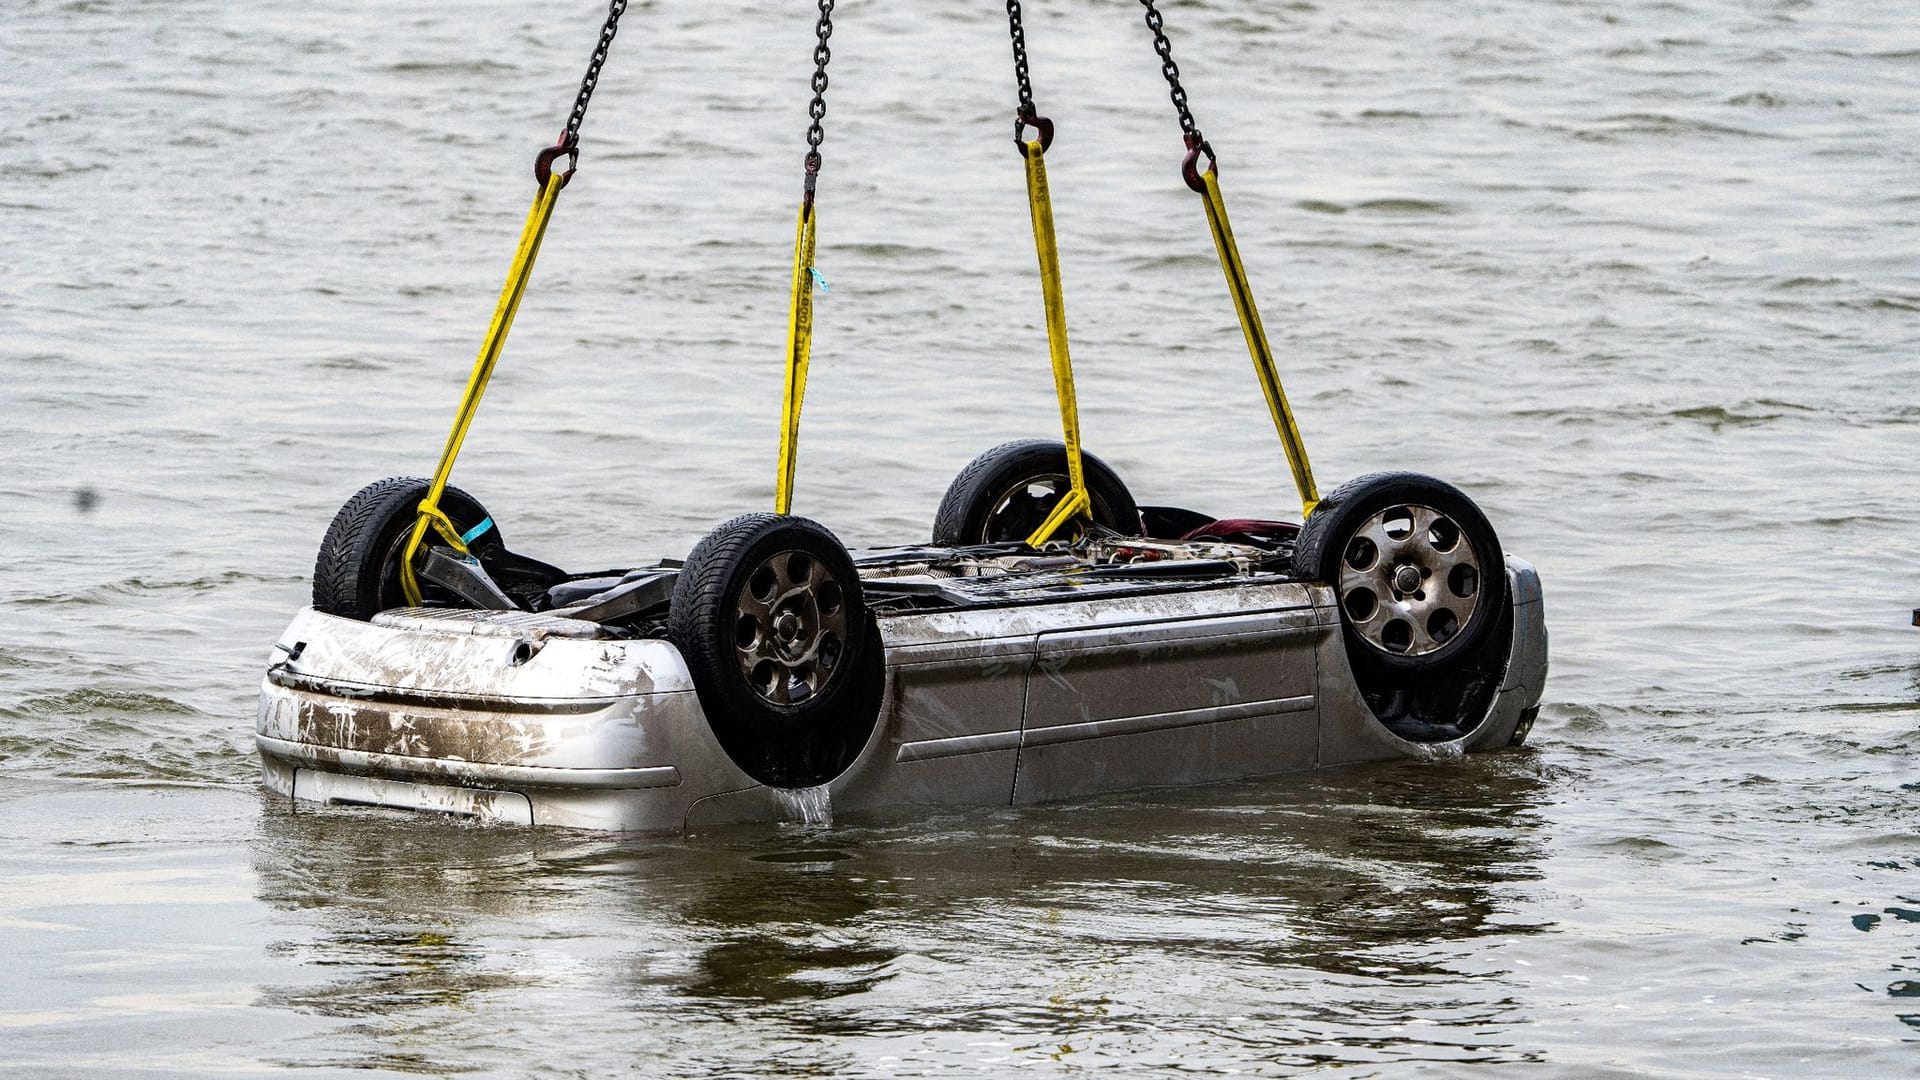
(1190, 165)
(569, 145)
(1023, 120)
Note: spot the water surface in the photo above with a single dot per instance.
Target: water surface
(1638, 276)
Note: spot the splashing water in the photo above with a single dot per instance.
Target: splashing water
(807, 806)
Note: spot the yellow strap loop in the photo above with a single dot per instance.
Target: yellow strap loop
(1257, 342)
(1041, 202)
(431, 516)
(799, 351)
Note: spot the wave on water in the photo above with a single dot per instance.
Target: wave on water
(1171, 261)
(349, 363)
(1665, 126)
(451, 67)
(890, 250)
(1752, 413)
(1642, 847)
(113, 591)
(1716, 417)
(100, 734)
(1884, 303)
(88, 702)
(1408, 207)
(1398, 114)
(42, 172)
(1391, 207)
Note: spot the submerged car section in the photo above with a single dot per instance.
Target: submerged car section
(1021, 685)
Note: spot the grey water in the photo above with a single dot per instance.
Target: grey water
(1640, 276)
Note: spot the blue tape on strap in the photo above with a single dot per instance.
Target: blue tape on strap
(468, 536)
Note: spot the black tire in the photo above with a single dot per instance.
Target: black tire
(357, 574)
(1419, 621)
(1007, 492)
(769, 617)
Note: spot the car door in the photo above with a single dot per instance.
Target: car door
(1193, 696)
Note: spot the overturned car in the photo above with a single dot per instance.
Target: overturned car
(1153, 646)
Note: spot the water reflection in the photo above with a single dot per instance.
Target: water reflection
(1344, 917)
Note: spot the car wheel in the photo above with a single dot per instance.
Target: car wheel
(1418, 571)
(1007, 492)
(357, 573)
(768, 614)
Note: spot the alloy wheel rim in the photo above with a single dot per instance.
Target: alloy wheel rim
(790, 627)
(1410, 580)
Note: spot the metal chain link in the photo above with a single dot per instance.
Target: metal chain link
(1172, 72)
(1026, 112)
(817, 108)
(614, 10)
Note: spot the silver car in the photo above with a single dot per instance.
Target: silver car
(773, 675)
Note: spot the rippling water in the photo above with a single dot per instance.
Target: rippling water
(1640, 276)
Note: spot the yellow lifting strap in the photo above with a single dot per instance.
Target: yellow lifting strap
(799, 351)
(431, 516)
(1038, 198)
(1257, 341)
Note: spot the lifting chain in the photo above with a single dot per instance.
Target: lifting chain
(817, 108)
(1020, 72)
(569, 143)
(1196, 143)
(1026, 114)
